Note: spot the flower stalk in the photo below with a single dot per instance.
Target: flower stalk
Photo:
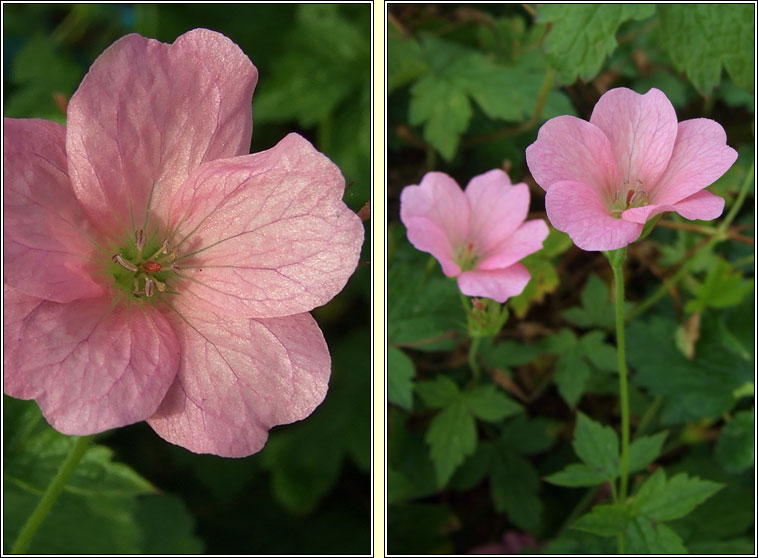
(616, 259)
(50, 496)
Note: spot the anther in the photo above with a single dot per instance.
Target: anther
(160, 285)
(119, 259)
(149, 287)
(139, 238)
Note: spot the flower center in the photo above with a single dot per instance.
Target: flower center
(467, 258)
(143, 266)
(627, 197)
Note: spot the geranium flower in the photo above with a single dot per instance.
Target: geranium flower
(156, 270)
(478, 236)
(605, 178)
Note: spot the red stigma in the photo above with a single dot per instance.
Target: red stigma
(151, 267)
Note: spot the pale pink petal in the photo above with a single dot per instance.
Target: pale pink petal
(700, 157)
(497, 284)
(703, 205)
(642, 130)
(575, 209)
(267, 234)
(45, 251)
(147, 114)
(568, 148)
(525, 240)
(238, 378)
(497, 209)
(436, 214)
(91, 364)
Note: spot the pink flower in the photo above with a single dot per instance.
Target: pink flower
(478, 236)
(154, 269)
(605, 178)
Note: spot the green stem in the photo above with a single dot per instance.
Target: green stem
(717, 237)
(50, 496)
(473, 364)
(617, 264)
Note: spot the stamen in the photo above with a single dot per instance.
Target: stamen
(149, 287)
(119, 259)
(160, 285)
(139, 238)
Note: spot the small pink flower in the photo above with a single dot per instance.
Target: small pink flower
(478, 236)
(605, 178)
(156, 270)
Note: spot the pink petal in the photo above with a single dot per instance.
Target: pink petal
(45, 251)
(575, 209)
(642, 130)
(147, 114)
(240, 377)
(700, 157)
(91, 364)
(703, 205)
(267, 234)
(568, 148)
(436, 214)
(497, 284)
(497, 209)
(527, 239)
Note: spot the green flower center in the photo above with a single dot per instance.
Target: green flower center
(467, 258)
(143, 266)
(627, 197)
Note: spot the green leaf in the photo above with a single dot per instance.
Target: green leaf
(735, 448)
(487, 403)
(77, 524)
(604, 520)
(723, 287)
(544, 280)
(167, 526)
(443, 109)
(327, 63)
(451, 437)
(600, 354)
(475, 468)
(439, 392)
(404, 59)
(596, 309)
(33, 453)
(507, 353)
(571, 375)
(645, 450)
(644, 536)
(596, 445)
(526, 435)
(514, 486)
(694, 389)
(582, 36)
(663, 500)
(578, 474)
(400, 372)
(700, 38)
(422, 312)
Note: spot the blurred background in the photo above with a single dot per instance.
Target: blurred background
(308, 491)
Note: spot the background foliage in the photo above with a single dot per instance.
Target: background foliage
(520, 462)
(308, 491)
